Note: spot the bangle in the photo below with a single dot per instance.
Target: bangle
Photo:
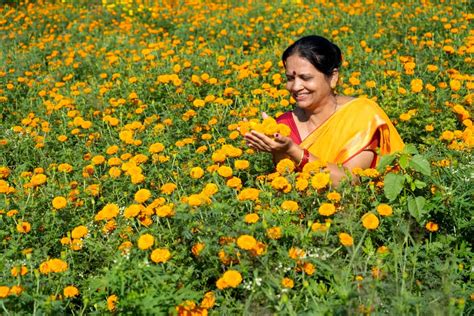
(304, 160)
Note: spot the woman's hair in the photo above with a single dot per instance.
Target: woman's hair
(321, 53)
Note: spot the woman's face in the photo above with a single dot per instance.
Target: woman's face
(307, 85)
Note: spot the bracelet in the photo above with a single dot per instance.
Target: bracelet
(304, 160)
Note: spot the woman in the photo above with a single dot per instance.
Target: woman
(344, 132)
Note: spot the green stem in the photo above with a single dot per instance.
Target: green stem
(356, 250)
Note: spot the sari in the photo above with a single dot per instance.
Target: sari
(353, 128)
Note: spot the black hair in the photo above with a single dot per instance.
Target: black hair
(320, 52)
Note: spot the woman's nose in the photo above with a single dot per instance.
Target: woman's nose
(297, 85)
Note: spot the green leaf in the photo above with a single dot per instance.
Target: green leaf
(385, 161)
(420, 164)
(410, 149)
(419, 184)
(403, 161)
(416, 207)
(393, 185)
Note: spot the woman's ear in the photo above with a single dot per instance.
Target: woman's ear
(334, 78)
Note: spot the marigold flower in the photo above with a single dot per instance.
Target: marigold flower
(241, 164)
(133, 210)
(23, 227)
(432, 226)
(296, 253)
(225, 171)
(301, 184)
(274, 232)
(289, 205)
(15, 271)
(38, 179)
(209, 300)
(142, 195)
(285, 166)
(384, 210)
(112, 302)
(416, 85)
(251, 218)
(16, 290)
(156, 148)
(53, 266)
(59, 202)
(333, 196)
(145, 241)
(160, 255)
(287, 283)
(346, 239)
(197, 248)
(168, 188)
(196, 172)
(108, 212)
(309, 268)
(327, 209)
(210, 189)
(4, 291)
(246, 242)
(320, 180)
(281, 183)
(232, 278)
(70, 291)
(79, 232)
(248, 194)
(370, 221)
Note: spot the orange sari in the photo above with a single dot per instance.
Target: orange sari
(350, 130)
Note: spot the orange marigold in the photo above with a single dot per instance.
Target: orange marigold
(160, 255)
(70, 291)
(327, 209)
(145, 241)
(384, 210)
(370, 221)
(346, 239)
(246, 242)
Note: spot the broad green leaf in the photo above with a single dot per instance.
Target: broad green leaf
(393, 185)
(420, 164)
(410, 149)
(420, 184)
(416, 207)
(403, 161)
(385, 161)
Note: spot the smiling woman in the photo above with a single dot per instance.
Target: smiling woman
(342, 132)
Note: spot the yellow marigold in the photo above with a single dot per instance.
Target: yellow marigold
(208, 301)
(432, 226)
(93, 189)
(320, 180)
(23, 227)
(79, 232)
(309, 268)
(320, 227)
(65, 167)
(4, 291)
(196, 172)
(142, 195)
(210, 189)
(248, 194)
(59, 202)
(370, 221)
(313, 166)
(15, 271)
(274, 232)
(133, 210)
(168, 188)
(146, 241)
(232, 278)
(296, 253)
(281, 183)
(156, 148)
(289, 205)
(112, 301)
(234, 182)
(70, 291)
(246, 242)
(220, 284)
(416, 85)
(287, 283)
(98, 160)
(384, 210)
(16, 290)
(241, 164)
(165, 210)
(383, 250)
(447, 135)
(197, 248)
(53, 266)
(333, 196)
(251, 218)
(160, 255)
(225, 171)
(346, 239)
(38, 179)
(327, 209)
(285, 166)
(301, 184)
(108, 212)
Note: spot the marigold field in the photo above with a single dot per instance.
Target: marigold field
(126, 185)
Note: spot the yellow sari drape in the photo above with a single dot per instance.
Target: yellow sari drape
(350, 130)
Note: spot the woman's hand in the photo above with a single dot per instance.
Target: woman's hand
(261, 142)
